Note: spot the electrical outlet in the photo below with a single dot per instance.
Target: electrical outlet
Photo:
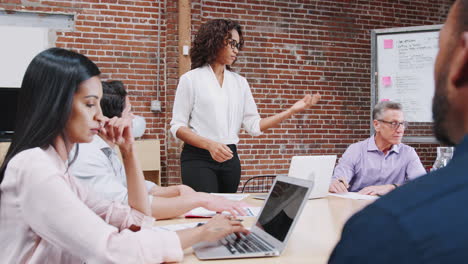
(156, 106)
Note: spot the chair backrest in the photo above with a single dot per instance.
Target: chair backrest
(3, 150)
(148, 153)
(258, 184)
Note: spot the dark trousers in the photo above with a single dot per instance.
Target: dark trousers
(201, 172)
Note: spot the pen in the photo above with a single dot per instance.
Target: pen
(249, 212)
(202, 223)
(235, 219)
(344, 183)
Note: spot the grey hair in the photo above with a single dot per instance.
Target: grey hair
(382, 106)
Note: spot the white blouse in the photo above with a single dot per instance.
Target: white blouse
(47, 217)
(215, 112)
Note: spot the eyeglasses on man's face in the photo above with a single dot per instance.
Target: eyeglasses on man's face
(394, 124)
(234, 44)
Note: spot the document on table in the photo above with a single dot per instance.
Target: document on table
(177, 227)
(201, 212)
(355, 196)
(232, 196)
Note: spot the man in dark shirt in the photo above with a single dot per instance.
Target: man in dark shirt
(425, 221)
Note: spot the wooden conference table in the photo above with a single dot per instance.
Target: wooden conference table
(313, 238)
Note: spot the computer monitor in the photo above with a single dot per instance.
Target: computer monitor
(8, 107)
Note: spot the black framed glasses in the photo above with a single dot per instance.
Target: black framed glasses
(394, 124)
(234, 44)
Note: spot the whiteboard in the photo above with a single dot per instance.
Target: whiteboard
(403, 62)
(18, 47)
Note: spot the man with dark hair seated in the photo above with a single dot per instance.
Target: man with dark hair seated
(98, 166)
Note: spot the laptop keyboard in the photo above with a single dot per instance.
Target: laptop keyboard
(245, 244)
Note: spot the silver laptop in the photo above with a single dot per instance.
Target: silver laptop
(316, 168)
(273, 226)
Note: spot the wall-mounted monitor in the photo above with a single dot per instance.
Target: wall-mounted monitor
(8, 107)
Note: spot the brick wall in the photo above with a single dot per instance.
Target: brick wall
(122, 38)
(292, 47)
(295, 47)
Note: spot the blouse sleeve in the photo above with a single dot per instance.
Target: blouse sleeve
(56, 214)
(251, 118)
(183, 104)
(113, 212)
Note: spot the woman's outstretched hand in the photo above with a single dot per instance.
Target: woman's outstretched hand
(305, 103)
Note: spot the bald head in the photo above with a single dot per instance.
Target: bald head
(461, 14)
(461, 28)
(449, 108)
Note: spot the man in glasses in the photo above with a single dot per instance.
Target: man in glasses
(380, 163)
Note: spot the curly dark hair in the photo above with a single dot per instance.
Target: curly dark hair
(210, 39)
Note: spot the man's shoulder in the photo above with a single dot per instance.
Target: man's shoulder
(407, 149)
(363, 142)
(440, 192)
(428, 213)
(359, 145)
(419, 195)
(94, 147)
(90, 152)
(366, 238)
(90, 160)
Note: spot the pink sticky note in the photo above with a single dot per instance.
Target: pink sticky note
(385, 99)
(388, 43)
(387, 81)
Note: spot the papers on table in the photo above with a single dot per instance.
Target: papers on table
(260, 196)
(177, 227)
(232, 196)
(253, 211)
(201, 212)
(355, 196)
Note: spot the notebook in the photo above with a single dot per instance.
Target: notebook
(273, 226)
(316, 168)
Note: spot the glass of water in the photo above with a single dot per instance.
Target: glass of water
(444, 155)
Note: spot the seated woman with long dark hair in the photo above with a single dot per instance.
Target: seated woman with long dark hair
(45, 215)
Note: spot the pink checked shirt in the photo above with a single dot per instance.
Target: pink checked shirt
(47, 217)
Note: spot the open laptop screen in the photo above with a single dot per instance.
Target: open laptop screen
(281, 208)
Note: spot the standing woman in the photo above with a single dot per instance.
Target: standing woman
(45, 215)
(212, 103)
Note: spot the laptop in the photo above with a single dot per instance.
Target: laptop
(316, 168)
(272, 228)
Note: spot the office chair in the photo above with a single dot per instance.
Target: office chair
(258, 184)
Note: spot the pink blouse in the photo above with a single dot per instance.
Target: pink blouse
(47, 217)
